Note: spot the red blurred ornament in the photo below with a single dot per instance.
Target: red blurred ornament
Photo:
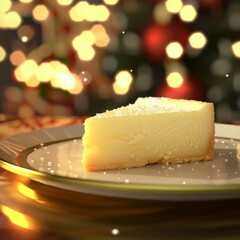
(156, 37)
(191, 89)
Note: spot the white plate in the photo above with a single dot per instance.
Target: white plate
(53, 157)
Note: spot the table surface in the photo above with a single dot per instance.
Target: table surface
(61, 214)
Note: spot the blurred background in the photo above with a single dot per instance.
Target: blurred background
(72, 57)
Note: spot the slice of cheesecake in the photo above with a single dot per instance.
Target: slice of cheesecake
(152, 130)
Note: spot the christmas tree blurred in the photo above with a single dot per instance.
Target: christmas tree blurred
(66, 57)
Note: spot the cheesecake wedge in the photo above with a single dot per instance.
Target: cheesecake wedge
(152, 130)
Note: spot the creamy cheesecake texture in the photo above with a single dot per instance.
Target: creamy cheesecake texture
(152, 130)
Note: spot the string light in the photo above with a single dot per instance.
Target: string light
(3, 54)
(111, 2)
(25, 1)
(40, 13)
(11, 20)
(173, 6)
(197, 40)
(101, 37)
(5, 6)
(236, 49)
(188, 13)
(123, 80)
(174, 80)
(17, 57)
(89, 12)
(64, 2)
(174, 50)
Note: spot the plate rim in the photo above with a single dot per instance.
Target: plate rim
(159, 191)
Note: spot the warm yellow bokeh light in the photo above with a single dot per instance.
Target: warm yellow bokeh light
(17, 58)
(40, 13)
(25, 1)
(197, 40)
(65, 2)
(188, 13)
(26, 70)
(89, 12)
(16, 217)
(101, 37)
(236, 49)
(5, 5)
(44, 72)
(12, 20)
(86, 53)
(32, 81)
(79, 12)
(173, 6)
(174, 80)
(123, 80)
(174, 50)
(111, 2)
(78, 86)
(3, 54)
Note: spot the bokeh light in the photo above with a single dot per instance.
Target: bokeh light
(173, 6)
(17, 58)
(40, 13)
(197, 40)
(174, 80)
(5, 6)
(236, 49)
(64, 2)
(111, 2)
(188, 13)
(3, 54)
(123, 80)
(174, 50)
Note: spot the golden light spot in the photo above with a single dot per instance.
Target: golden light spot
(17, 58)
(101, 37)
(122, 82)
(13, 20)
(78, 86)
(78, 12)
(16, 217)
(174, 80)
(188, 13)
(100, 13)
(5, 6)
(44, 72)
(236, 49)
(89, 12)
(32, 81)
(3, 54)
(111, 2)
(86, 53)
(64, 2)
(174, 50)
(197, 40)
(173, 6)
(26, 70)
(25, 1)
(40, 13)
